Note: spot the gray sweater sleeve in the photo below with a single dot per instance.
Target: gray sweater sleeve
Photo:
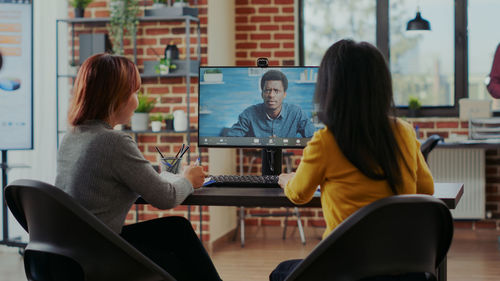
(162, 191)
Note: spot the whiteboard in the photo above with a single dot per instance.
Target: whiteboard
(16, 75)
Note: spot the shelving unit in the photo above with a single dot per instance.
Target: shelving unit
(187, 73)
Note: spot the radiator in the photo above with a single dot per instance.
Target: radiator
(468, 167)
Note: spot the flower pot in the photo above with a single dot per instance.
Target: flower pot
(413, 112)
(156, 126)
(159, 5)
(180, 121)
(169, 124)
(79, 12)
(140, 121)
(163, 69)
(180, 4)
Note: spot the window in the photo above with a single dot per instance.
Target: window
(483, 41)
(327, 21)
(432, 66)
(422, 63)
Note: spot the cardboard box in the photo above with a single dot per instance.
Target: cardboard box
(470, 109)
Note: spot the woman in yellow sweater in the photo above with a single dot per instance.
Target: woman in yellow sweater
(364, 153)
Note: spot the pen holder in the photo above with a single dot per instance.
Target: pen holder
(171, 164)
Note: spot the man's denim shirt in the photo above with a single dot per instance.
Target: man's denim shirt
(292, 122)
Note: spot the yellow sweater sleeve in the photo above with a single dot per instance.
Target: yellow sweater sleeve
(425, 182)
(310, 173)
(423, 177)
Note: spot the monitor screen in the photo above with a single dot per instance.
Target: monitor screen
(257, 107)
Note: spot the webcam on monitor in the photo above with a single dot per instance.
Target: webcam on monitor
(262, 62)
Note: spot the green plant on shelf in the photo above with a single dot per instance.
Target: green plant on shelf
(413, 106)
(156, 117)
(81, 4)
(414, 103)
(146, 104)
(164, 66)
(169, 116)
(123, 16)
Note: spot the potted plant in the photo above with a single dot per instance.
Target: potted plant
(123, 16)
(179, 8)
(413, 106)
(156, 122)
(140, 119)
(163, 66)
(212, 75)
(181, 3)
(169, 122)
(158, 4)
(79, 6)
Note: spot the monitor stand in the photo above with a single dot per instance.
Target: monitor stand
(272, 159)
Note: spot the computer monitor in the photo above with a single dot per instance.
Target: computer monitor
(260, 107)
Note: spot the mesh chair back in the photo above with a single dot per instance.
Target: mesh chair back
(67, 240)
(392, 236)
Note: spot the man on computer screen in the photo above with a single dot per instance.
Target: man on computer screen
(273, 118)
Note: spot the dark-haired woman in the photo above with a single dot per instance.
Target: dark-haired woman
(364, 153)
(105, 171)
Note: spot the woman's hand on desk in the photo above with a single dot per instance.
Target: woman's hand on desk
(195, 175)
(284, 178)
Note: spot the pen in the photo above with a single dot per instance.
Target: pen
(182, 153)
(179, 151)
(186, 148)
(197, 163)
(157, 149)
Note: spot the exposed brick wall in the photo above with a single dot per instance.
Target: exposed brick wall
(265, 28)
(152, 37)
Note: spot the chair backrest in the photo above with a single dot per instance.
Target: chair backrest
(67, 242)
(429, 144)
(396, 235)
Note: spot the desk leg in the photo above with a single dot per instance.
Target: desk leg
(201, 223)
(442, 268)
(242, 226)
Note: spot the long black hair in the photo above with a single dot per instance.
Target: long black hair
(354, 92)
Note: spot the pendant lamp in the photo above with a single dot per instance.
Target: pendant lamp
(418, 23)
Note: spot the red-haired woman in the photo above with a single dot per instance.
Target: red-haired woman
(105, 171)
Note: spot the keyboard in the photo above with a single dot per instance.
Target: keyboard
(270, 181)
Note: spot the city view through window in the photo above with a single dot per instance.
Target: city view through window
(422, 63)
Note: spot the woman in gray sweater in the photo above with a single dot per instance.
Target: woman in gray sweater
(105, 171)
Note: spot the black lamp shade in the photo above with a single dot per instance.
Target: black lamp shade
(418, 23)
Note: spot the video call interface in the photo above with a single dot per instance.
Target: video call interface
(237, 109)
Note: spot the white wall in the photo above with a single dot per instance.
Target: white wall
(221, 50)
(42, 159)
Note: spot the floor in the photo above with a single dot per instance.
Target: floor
(474, 255)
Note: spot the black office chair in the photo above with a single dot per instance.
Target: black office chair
(429, 144)
(67, 242)
(391, 237)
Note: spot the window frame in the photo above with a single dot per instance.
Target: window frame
(383, 43)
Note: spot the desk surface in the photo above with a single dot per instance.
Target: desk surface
(450, 193)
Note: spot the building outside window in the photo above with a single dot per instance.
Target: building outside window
(484, 37)
(425, 64)
(327, 21)
(422, 62)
